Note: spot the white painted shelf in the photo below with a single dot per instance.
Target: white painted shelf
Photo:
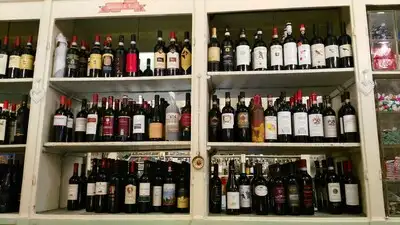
(14, 148)
(386, 74)
(16, 85)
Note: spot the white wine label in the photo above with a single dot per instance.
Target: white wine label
(101, 188)
(261, 190)
(351, 194)
(260, 57)
(70, 122)
(245, 196)
(331, 51)
(300, 124)
(91, 189)
(318, 55)
(138, 124)
(14, 61)
(3, 63)
(270, 128)
(91, 126)
(232, 201)
(80, 124)
(349, 124)
(290, 53)
(60, 120)
(276, 55)
(73, 192)
(330, 128)
(214, 54)
(334, 192)
(284, 122)
(345, 51)
(316, 125)
(227, 121)
(157, 195)
(3, 130)
(130, 194)
(243, 55)
(172, 60)
(304, 54)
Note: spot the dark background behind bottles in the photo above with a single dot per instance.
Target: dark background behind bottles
(22, 29)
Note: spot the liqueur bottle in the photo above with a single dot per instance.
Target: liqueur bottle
(132, 59)
(186, 120)
(257, 121)
(95, 59)
(186, 56)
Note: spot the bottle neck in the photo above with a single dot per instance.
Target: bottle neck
(228, 101)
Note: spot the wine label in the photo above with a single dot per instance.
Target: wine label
(227, 120)
(72, 61)
(276, 55)
(331, 51)
(308, 196)
(186, 119)
(245, 196)
(70, 122)
(300, 124)
(186, 59)
(284, 122)
(233, 201)
(330, 127)
(119, 64)
(345, 51)
(316, 125)
(131, 62)
(3, 129)
(26, 62)
(351, 194)
(91, 189)
(155, 130)
(107, 62)
(216, 194)
(60, 120)
(169, 194)
(334, 192)
(95, 61)
(101, 188)
(182, 201)
(91, 126)
(271, 128)
(123, 125)
(260, 57)
(341, 125)
(130, 194)
(14, 61)
(293, 194)
(80, 124)
(111, 193)
(257, 125)
(172, 122)
(139, 125)
(261, 190)
(243, 120)
(172, 60)
(290, 53)
(144, 192)
(214, 54)
(227, 55)
(3, 64)
(349, 124)
(108, 126)
(317, 55)
(159, 60)
(157, 195)
(304, 54)
(73, 191)
(279, 195)
(243, 55)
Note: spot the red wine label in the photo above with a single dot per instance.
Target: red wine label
(131, 62)
(108, 125)
(243, 120)
(308, 196)
(279, 195)
(186, 120)
(123, 125)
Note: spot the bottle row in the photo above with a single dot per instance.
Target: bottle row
(128, 121)
(17, 62)
(114, 187)
(11, 183)
(174, 59)
(285, 120)
(13, 122)
(288, 189)
(285, 54)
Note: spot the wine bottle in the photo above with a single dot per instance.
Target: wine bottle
(132, 59)
(243, 56)
(101, 111)
(340, 115)
(300, 119)
(172, 116)
(59, 121)
(157, 185)
(227, 120)
(83, 60)
(95, 59)
(72, 59)
(270, 121)
(243, 130)
(73, 190)
(144, 197)
(331, 49)
(92, 126)
(100, 198)
(244, 191)
(186, 120)
(333, 189)
(4, 120)
(182, 190)
(232, 192)
(215, 191)
(169, 189)
(91, 187)
(115, 188)
(119, 58)
(159, 56)
(12, 123)
(317, 50)
(306, 189)
(318, 181)
(276, 51)
(131, 186)
(303, 49)
(14, 60)
(257, 121)
(260, 196)
(350, 131)
(156, 125)
(351, 190)
(80, 123)
(107, 58)
(260, 53)
(108, 121)
(214, 122)
(21, 130)
(293, 191)
(186, 56)
(315, 121)
(4, 58)
(70, 121)
(82, 187)
(172, 56)
(279, 192)
(330, 124)
(139, 122)
(148, 72)
(123, 121)
(284, 122)
(214, 51)
(227, 52)
(345, 49)
(27, 59)
(290, 49)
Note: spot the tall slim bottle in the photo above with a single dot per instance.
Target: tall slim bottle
(91, 187)
(139, 122)
(59, 122)
(100, 198)
(214, 121)
(228, 52)
(73, 190)
(82, 187)
(270, 122)
(186, 120)
(119, 58)
(214, 51)
(351, 190)
(132, 59)
(108, 121)
(330, 124)
(232, 191)
(244, 191)
(144, 195)
(300, 119)
(289, 49)
(95, 62)
(260, 52)
(228, 120)
(160, 56)
(257, 121)
(215, 192)
(169, 189)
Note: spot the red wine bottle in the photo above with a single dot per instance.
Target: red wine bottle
(214, 52)
(169, 189)
(227, 57)
(131, 188)
(101, 111)
(73, 190)
(331, 49)
(27, 59)
(157, 186)
(293, 190)
(215, 191)
(95, 61)
(284, 121)
(119, 58)
(306, 189)
(91, 187)
(186, 120)
(279, 192)
(214, 122)
(11, 127)
(243, 131)
(289, 49)
(243, 52)
(350, 130)
(260, 196)
(4, 58)
(108, 121)
(244, 191)
(232, 191)
(21, 130)
(82, 187)
(60, 122)
(303, 49)
(156, 126)
(345, 49)
(93, 125)
(330, 124)
(14, 60)
(123, 121)
(186, 56)
(139, 131)
(71, 65)
(100, 198)
(276, 52)
(260, 51)
(132, 59)
(315, 121)
(270, 117)
(351, 190)
(80, 123)
(300, 119)
(173, 56)
(107, 58)
(144, 197)
(115, 189)
(228, 120)
(333, 189)
(159, 56)
(4, 120)
(317, 50)
(70, 121)
(83, 60)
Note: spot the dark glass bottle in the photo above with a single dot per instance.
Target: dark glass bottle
(169, 191)
(340, 116)
(70, 121)
(215, 192)
(100, 198)
(276, 52)
(4, 58)
(101, 111)
(289, 49)
(350, 130)
(306, 190)
(279, 192)
(182, 190)
(131, 187)
(108, 121)
(270, 118)
(93, 126)
(351, 190)
(330, 124)
(345, 49)
(123, 121)
(27, 60)
(333, 189)
(14, 60)
(7, 186)
(214, 51)
(317, 50)
(80, 123)
(11, 126)
(227, 121)
(157, 187)
(257, 121)
(83, 187)
(228, 52)
(300, 119)
(260, 196)
(232, 192)
(315, 121)
(243, 131)
(186, 56)
(59, 122)
(72, 59)
(303, 50)
(139, 131)
(159, 56)
(144, 195)
(331, 49)
(186, 120)
(4, 123)
(324, 188)
(244, 191)
(83, 60)
(147, 72)
(173, 56)
(115, 189)
(91, 187)
(73, 190)
(156, 126)
(132, 59)
(293, 191)
(214, 122)
(284, 122)
(260, 53)
(119, 58)
(95, 59)
(243, 52)
(318, 181)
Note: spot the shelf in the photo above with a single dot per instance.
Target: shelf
(15, 86)
(84, 147)
(122, 84)
(283, 148)
(9, 218)
(386, 74)
(21, 10)
(12, 149)
(281, 79)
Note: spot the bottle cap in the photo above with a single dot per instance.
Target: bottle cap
(5, 105)
(257, 100)
(13, 107)
(97, 38)
(17, 41)
(5, 40)
(95, 97)
(172, 35)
